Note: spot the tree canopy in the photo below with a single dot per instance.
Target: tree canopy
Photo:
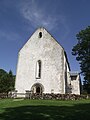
(7, 81)
(2, 72)
(82, 52)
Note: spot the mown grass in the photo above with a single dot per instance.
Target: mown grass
(15, 109)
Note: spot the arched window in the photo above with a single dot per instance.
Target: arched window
(40, 34)
(38, 69)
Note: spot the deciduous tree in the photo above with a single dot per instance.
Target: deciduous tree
(82, 52)
(7, 81)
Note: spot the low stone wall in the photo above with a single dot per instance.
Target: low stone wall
(58, 96)
(3, 95)
(44, 96)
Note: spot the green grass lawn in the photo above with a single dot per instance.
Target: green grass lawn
(14, 109)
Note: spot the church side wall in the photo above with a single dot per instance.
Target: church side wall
(75, 84)
(66, 75)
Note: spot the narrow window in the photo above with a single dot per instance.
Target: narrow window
(73, 77)
(38, 69)
(40, 34)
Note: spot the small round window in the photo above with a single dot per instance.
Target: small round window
(40, 34)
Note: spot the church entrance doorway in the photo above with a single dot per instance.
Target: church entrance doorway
(37, 88)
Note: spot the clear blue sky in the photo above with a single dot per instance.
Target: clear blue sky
(20, 18)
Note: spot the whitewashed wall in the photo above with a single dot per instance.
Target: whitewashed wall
(53, 62)
(51, 54)
(75, 84)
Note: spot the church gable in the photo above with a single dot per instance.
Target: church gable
(42, 46)
(41, 39)
(42, 65)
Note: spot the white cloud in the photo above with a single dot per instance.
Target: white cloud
(9, 35)
(38, 16)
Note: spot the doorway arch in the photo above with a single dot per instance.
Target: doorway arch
(37, 88)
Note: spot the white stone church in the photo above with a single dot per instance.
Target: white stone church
(43, 67)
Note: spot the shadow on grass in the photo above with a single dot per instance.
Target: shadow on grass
(77, 112)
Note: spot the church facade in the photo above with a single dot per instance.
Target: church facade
(43, 67)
